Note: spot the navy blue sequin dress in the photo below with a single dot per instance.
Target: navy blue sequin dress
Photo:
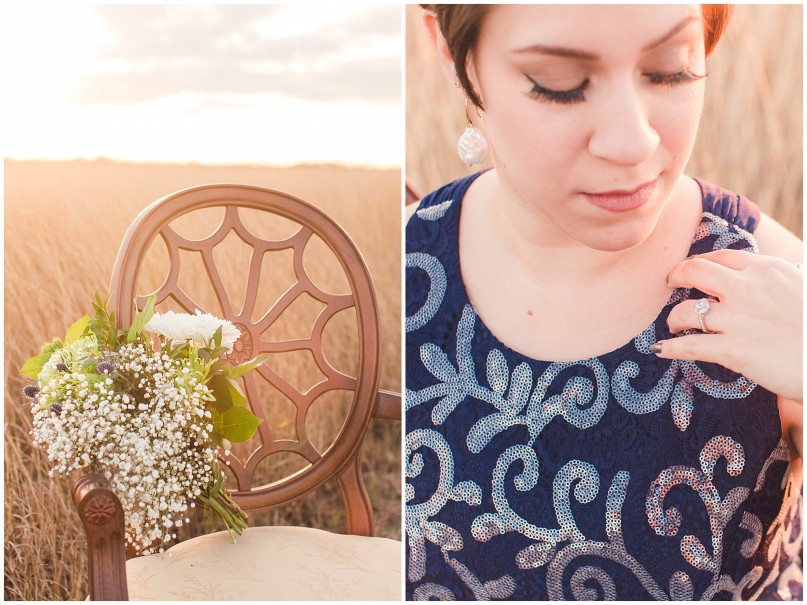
(623, 476)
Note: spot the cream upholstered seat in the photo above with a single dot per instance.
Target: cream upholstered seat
(271, 563)
(283, 563)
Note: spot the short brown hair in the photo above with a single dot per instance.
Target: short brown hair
(460, 24)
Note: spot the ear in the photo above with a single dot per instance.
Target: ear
(439, 42)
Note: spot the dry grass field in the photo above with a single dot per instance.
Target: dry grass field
(63, 224)
(750, 137)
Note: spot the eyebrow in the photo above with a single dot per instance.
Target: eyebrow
(571, 53)
(682, 25)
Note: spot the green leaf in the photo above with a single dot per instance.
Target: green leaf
(100, 333)
(141, 319)
(217, 420)
(77, 329)
(221, 391)
(218, 365)
(235, 394)
(217, 439)
(219, 352)
(239, 424)
(248, 366)
(33, 366)
(177, 350)
(101, 305)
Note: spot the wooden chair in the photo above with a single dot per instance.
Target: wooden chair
(260, 551)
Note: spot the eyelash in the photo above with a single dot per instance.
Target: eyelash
(564, 97)
(576, 95)
(681, 77)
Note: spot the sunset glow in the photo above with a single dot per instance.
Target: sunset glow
(227, 84)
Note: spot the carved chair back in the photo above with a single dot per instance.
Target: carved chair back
(260, 224)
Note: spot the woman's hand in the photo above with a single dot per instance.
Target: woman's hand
(756, 321)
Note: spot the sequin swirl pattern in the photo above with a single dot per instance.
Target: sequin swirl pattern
(506, 455)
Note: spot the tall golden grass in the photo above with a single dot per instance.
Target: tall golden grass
(63, 224)
(750, 137)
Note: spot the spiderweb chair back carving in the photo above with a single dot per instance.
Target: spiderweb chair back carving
(187, 271)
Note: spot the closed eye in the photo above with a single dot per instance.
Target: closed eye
(565, 97)
(673, 79)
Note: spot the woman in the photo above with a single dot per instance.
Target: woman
(562, 441)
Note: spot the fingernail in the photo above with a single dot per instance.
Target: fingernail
(656, 348)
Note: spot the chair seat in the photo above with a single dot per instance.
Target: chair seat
(270, 563)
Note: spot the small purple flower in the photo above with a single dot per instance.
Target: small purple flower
(30, 390)
(105, 367)
(61, 367)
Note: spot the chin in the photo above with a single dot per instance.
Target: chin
(616, 239)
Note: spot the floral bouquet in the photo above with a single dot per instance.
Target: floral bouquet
(147, 414)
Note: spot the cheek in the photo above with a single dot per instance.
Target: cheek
(677, 122)
(521, 130)
(524, 133)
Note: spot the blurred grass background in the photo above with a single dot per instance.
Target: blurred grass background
(750, 138)
(64, 222)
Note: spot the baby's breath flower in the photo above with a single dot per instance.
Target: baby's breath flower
(154, 460)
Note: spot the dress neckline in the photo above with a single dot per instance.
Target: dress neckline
(656, 330)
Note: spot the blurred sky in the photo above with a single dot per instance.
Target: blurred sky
(267, 84)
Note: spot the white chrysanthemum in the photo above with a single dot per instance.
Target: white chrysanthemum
(197, 328)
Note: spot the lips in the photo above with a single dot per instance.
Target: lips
(622, 201)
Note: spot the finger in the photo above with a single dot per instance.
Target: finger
(731, 259)
(692, 347)
(695, 272)
(684, 317)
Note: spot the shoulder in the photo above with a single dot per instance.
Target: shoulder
(774, 240)
(436, 204)
(735, 209)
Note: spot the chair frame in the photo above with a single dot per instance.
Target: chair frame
(98, 507)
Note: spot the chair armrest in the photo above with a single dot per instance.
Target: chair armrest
(101, 514)
(387, 405)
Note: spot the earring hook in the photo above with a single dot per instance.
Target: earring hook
(468, 113)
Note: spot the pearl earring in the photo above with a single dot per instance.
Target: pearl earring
(472, 146)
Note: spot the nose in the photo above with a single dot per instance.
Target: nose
(622, 132)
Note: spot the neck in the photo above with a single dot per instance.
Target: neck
(542, 253)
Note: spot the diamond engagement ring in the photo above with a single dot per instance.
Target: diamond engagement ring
(702, 307)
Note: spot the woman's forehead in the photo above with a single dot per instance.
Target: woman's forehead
(591, 29)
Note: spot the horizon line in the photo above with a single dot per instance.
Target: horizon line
(245, 164)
